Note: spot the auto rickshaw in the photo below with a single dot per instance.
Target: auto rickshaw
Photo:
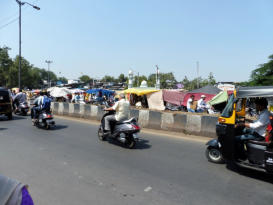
(5, 103)
(258, 155)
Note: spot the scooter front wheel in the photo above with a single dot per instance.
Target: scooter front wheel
(101, 134)
(214, 155)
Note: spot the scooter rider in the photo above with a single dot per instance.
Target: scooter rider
(122, 108)
(38, 102)
(19, 98)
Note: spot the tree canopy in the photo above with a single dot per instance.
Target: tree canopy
(264, 74)
(31, 77)
(85, 79)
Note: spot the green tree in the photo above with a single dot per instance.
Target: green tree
(108, 79)
(211, 79)
(63, 80)
(263, 75)
(138, 80)
(5, 65)
(85, 79)
(122, 78)
(167, 80)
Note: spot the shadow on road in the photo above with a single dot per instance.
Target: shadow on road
(141, 144)
(250, 173)
(15, 117)
(2, 128)
(59, 127)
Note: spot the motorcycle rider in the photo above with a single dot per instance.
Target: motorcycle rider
(39, 102)
(122, 108)
(19, 98)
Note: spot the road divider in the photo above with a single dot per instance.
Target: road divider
(189, 123)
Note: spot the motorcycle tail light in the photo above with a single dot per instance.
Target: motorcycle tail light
(136, 127)
(49, 116)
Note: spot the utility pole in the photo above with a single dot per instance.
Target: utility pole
(197, 68)
(138, 80)
(157, 85)
(20, 3)
(19, 72)
(48, 79)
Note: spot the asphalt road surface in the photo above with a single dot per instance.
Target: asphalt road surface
(69, 165)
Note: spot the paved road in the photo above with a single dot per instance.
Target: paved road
(69, 165)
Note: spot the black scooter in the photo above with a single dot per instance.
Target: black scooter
(125, 132)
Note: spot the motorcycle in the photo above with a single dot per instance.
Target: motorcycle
(125, 132)
(22, 109)
(44, 120)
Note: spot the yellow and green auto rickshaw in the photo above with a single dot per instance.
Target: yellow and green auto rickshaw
(257, 155)
(5, 103)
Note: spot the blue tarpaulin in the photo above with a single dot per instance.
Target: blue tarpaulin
(101, 92)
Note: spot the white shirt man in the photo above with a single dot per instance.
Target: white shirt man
(257, 129)
(122, 108)
(190, 103)
(201, 104)
(260, 125)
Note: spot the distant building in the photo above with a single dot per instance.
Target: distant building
(72, 81)
(228, 86)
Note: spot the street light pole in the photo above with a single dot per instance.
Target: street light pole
(197, 68)
(20, 5)
(19, 72)
(48, 65)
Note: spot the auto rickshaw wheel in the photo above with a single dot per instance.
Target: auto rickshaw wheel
(214, 155)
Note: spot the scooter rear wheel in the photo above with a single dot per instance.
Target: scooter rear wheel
(130, 142)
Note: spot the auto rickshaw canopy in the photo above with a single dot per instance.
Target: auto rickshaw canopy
(253, 92)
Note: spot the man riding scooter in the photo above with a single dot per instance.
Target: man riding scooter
(122, 108)
(20, 97)
(39, 104)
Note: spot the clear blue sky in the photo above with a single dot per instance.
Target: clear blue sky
(99, 37)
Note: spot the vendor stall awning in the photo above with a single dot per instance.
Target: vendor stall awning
(140, 91)
(219, 98)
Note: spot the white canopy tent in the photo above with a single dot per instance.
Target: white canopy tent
(59, 92)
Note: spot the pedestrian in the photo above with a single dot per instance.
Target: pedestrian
(190, 104)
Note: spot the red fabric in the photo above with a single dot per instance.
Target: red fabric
(197, 96)
(173, 96)
(269, 135)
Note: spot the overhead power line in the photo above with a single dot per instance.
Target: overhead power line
(10, 22)
(12, 17)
